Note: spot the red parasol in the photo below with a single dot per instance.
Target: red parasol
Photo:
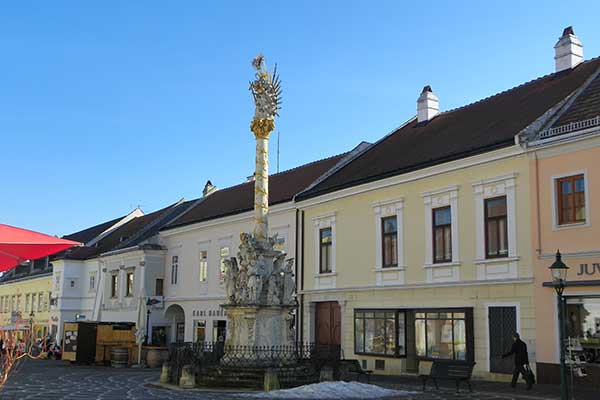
(17, 245)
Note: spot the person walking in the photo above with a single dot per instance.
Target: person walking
(519, 349)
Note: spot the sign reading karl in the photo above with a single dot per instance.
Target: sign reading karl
(260, 281)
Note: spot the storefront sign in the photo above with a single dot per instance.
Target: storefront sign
(209, 313)
(589, 269)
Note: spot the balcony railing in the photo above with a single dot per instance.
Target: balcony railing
(568, 128)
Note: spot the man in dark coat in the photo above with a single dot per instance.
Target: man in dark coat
(519, 349)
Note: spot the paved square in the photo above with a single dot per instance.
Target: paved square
(53, 380)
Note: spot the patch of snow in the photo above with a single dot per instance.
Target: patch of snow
(331, 390)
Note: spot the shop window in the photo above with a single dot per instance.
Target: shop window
(224, 255)
(389, 234)
(200, 331)
(379, 332)
(583, 322)
(442, 235)
(219, 330)
(129, 287)
(570, 194)
(325, 254)
(174, 269)
(496, 232)
(441, 335)
(114, 285)
(203, 265)
(158, 288)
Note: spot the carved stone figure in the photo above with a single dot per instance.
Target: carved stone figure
(289, 283)
(231, 273)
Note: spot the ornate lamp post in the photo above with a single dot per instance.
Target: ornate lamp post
(559, 269)
(31, 316)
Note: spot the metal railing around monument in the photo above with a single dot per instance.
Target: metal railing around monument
(202, 355)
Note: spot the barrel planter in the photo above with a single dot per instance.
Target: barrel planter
(119, 357)
(155, 356)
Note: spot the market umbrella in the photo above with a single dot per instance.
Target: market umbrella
(18, 245)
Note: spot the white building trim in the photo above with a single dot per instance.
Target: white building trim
(496, 268)
(444, 272)
(383, 209)
(325, 280)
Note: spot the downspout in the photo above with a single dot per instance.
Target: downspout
(537, 205)
(301, 314)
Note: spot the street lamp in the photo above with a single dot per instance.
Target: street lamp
(31, 316)
(559, 269)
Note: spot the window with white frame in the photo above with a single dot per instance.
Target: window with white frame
(441, 233)
(129, 283)
(92, 281)
(114, 285)
(203, 265)
(325, 253)
(495, 219)
(174, 269)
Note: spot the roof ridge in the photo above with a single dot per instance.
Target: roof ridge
(529, 82)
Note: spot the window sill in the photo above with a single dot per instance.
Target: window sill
(496, 260)
(385, 269)
(441, 265)
(571, 226)
(325, 274)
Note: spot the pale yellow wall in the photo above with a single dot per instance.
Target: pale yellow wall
(35, 285)
(356, 250)
(355, 225)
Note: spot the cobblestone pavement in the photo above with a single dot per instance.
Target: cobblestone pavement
(50, 380)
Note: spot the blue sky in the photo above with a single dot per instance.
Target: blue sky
(111, 104)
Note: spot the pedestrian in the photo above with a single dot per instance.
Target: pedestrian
(519, 349)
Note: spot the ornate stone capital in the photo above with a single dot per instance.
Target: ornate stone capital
(262, 127)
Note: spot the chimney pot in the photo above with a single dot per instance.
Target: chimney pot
(568, 51)
(208, 188)
(428, 105)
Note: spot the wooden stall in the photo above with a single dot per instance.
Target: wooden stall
(92, 342)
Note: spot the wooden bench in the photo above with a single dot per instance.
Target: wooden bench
(456, 371)
(354, 367)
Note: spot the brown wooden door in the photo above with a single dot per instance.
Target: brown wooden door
(328, 323)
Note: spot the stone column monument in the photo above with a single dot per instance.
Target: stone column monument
(260, 281)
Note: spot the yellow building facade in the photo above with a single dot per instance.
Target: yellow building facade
(26, 301)
(391, 318)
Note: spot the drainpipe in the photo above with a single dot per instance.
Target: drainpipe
(537, 205)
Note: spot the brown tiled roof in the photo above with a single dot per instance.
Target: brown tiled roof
(585, 106)
(88, 234)
(131, 233)
(486, 125)
(240, 198)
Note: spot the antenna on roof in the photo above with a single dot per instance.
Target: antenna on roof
(278, 151)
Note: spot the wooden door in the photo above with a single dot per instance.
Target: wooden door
(328, 322)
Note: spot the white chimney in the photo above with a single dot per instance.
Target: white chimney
(428, 105)
(568, 50)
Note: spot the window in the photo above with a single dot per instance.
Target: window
(174, 269)
(389, 234)
(27, 302)
(325, 255)
(496, 232)
(129, 287)
(114, 285)
(224, 254)
(571, 199)
(92, 281)
(203, 265)
(72, 284)
(441, 335)
(379, 332)
(442, 235)
(18, 302)
(158, 289)
(40, 301)
(200, 331)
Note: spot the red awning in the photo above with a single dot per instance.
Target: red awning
(18, 245)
